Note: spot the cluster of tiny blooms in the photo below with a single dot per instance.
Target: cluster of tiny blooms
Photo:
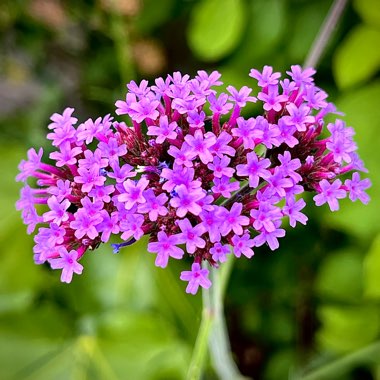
(189, 171)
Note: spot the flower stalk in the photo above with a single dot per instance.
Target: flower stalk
(213, 333)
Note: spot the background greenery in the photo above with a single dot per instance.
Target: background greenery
(311, 302)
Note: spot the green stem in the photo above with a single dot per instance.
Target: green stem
(369, 354)
(325, 33)
(220, 349)
(213, 330)
(200, 349)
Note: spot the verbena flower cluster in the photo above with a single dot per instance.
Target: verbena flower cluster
(190, 171)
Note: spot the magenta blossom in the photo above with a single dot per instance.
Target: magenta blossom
(191, 169)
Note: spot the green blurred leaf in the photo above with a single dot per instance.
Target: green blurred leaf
(262, 38)
(137, 344)
(369, 11)
(215, 30)
(10, 157)
(280, 365)
(357, 59)
(19, 276)
(154, 13)
(340, 277)
(372, 271)
(347, 328)
(363, 114)
(304, 27)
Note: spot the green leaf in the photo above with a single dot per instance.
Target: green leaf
(340, 277)
(363, 114)
(216, 29)
(357, 59)
(372, 270)
(369, 11)
(347, 328)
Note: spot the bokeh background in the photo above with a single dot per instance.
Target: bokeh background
(314, 300)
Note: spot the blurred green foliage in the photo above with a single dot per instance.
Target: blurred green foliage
(315, 299)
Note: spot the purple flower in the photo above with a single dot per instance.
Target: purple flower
(356, 188)
(330, 193)
(61, 134)
(28, 168)
(188, 105)
(59, 120)
(200, 145)
(219, 105)
(85, 224)
(195, 119)
(247, 132)
(315, 97)
(144, 109)
(254, 169)
(57, 213)
(242, 245)
(93, 160)
(140, 90)
(66, 155)
(298, 116)
(208, 179)
(269, 132)
(266, 78)
(233, 220)
(210, 79)
(154, 205)
(278, 182)
(89, 130)
(164, 130)
(240, 97)
(212, 222)
(287, 133)
(220, 167)
(165, 247)
(224, 186)
(102, 193)
(265, 216)
(289, 166)
(292, 210)
(272, 99)
(68, 263)
(112, 149)
(120, 174)
(109, 225)
(186, 200)
(133, 192)
(219, 252)
(340, 143)
(196, 277)
(270, 237)
(301, 77)
(191, 235)
(54, 235)
(177, 176)
(89, 178)
(131, 225)
(221, 145)
(183, 156)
